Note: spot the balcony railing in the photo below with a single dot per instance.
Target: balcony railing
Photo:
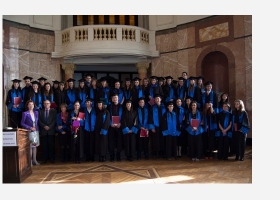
(104, 39)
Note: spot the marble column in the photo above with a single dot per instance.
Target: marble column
(69, 69)
(142, 69)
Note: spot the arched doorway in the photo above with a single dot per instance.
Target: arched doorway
(214, 67)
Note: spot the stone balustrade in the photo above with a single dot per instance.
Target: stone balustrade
(104, 39)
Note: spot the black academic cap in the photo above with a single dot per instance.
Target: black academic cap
(27, 77)
(209, 101)
(141, 98)
(82, 80)
(114, 94)
(55, 82)
(100, 101)
(158, 95)
(174, 82)
(168, 77)
(137, 79)
(16, 81)
(199, 77)
(103, 100)
(181, 78)
(208, 83)
(117, 80)
(102, 79)
(192, 78)
(35, 82)
(88, 75)
(89, 99)
(71, 80)
(128, 101)
(154, 77)
(161, 78)
(189, 97)
(42, 78)
(169, 103)
(128, 79)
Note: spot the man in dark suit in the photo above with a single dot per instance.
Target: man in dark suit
(47, 122)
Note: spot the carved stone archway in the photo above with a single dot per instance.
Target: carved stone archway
(231, 65)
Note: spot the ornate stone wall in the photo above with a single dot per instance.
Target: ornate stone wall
(27, 52)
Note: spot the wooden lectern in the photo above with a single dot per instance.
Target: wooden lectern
(16, 155)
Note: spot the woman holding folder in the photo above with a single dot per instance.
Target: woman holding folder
(14, 102)
(194, 126)
(77, 130)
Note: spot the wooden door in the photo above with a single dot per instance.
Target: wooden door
(215, 68)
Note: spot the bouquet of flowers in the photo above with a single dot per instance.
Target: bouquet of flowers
(75, 127)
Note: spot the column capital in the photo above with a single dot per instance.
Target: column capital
(142, 67)
(69, 68)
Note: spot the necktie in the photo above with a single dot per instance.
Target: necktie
(47, 115)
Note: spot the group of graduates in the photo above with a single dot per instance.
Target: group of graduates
(162, 117)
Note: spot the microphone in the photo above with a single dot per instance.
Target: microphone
(13, 121)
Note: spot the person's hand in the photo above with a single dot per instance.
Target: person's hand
(47, 128)
(118, 125)
(153, 130)
(33, 129)
(59, 127)
(63, 132)
(194, 128)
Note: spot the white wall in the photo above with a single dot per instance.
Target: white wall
(47, 22)
(161, 22)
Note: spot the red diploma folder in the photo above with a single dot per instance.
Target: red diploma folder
(17, 100)
(144, 133)
(53, 105)
(81, 115)
(152, 101)
(195, 123)
(115, 120)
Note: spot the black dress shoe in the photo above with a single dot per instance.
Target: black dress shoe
(45, 161)
(52, 161)
(236, 158)
(241, 159)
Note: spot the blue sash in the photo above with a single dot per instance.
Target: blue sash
(180, 92)
(191, 92)
(171, 94)
(151, 91)
(91, 93)
(126, 94)
(171, 125)
(141, 122)
(140, 92)
(93, 119)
